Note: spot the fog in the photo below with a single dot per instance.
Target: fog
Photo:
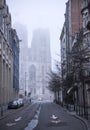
(40, 14)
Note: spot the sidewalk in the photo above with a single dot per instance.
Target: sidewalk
(86, 122)
(5, 113)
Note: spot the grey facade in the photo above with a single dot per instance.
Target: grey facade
(15, 48)
(68, 37)
(7, 92)
(23, 56)
(39, 64)
(6, 55)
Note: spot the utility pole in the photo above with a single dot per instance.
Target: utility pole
(25, 84)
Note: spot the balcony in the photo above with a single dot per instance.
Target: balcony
(5, 9)
(85, 5)
(85, 31)
(88, 24)
(8, 19)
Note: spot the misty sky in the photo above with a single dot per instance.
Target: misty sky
(40, 13)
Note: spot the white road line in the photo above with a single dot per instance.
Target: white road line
(18, 119)
(10, 124)
(33, 123)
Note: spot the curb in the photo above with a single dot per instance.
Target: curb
(83, 120)
(86, 122)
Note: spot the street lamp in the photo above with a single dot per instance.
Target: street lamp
(25, 84)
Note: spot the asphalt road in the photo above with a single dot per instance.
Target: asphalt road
(17, 119)
(41, 116)
(64, 120)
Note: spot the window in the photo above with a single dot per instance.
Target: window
(32, 73)
(0, 18)
(4, 46)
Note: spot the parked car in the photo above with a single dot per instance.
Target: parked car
(20, 102)
(16, 103)
(13, 104)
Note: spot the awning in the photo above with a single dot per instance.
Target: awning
(71, 90)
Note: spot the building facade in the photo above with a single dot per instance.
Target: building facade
(39, 64)
(63, 51)
(7, 92)
(15, 48)
(23, 56)
(6, 55)
(73, 22)
(86, 43)
(77, 18)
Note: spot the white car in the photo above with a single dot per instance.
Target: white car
(20, 102)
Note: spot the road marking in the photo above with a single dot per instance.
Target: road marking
(55, 121)
(10, 124)
(33, 123)
(18, 119)
(54, 117)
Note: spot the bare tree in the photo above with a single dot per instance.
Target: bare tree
(55, 84)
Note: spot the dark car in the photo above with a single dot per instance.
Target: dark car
(13, 104)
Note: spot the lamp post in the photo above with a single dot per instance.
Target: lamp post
(25, 84)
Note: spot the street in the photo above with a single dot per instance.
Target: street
(17, 119)
(41, 116)
(65, 121)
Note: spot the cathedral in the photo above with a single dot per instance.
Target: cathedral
(39, 64)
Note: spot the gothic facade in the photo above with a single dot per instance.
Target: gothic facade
(39, 64)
